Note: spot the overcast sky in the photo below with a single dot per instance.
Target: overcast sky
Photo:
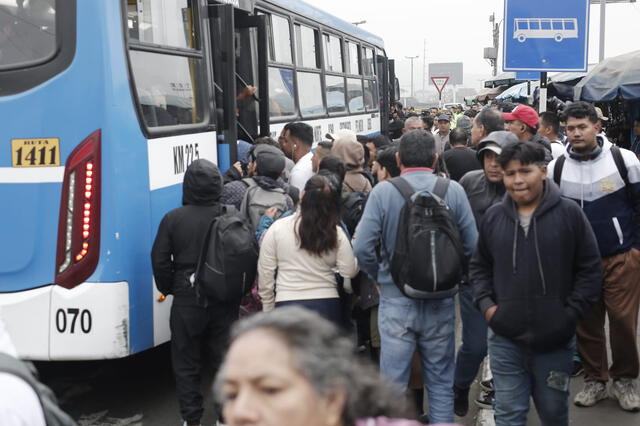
(458, 30)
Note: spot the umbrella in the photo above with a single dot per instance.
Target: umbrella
(519, 91)
(613, 77)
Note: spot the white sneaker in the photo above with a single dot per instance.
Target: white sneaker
(592, 392)
(625, 392)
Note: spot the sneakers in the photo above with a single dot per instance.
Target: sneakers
(626, 393)
(487, 385)
(592, 392)
(460, 401)
(486, 400)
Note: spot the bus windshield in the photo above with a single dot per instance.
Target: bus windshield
(27, 32)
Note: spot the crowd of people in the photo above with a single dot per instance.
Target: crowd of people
(364, 244)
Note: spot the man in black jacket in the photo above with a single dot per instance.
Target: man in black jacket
(484, 188)
(536, 270)
(195, 330)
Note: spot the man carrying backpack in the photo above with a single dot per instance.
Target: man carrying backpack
(195, 329)
(419, 310)
(605, 182)
(253, 195)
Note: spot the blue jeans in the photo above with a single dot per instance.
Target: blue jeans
(474, 340)
(519, 374)
(428, 325)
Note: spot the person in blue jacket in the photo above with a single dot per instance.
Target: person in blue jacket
(405, 323)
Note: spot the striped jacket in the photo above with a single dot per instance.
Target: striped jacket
(598, 187)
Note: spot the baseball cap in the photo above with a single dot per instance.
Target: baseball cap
(342, 134)
(269, 159)
(464, 122)
(495, 141)
(601, 115)
(443, 117)
(523, 113)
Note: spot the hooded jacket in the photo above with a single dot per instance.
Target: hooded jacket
(177, 245)
(482, 193)
(541, 282)
(352, 154)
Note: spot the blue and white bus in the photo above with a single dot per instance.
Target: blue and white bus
(105, 104)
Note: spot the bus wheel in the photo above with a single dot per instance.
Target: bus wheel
(558, 38)
(521, 38)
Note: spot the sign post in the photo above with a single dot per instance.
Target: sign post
(439, 82)
(546, 35)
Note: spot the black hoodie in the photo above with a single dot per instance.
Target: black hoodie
(177, 245)
(542, 282)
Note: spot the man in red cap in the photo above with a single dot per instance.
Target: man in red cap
(523, 122)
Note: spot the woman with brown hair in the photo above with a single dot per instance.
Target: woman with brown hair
(307, 249)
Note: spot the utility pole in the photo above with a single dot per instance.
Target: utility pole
(424, 65)
(496, 42)
(603, 16)
(603, 22)
(411, 58)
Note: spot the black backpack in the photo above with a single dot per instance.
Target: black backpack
(53, 414)
(352, 208)
(228, 258)
(428, 261)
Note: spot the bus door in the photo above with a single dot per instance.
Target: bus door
(251, 69)
(383, 88)
(221, 21)
(394, 86)
(239, 59)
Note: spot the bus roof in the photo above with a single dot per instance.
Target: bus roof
(313, 13)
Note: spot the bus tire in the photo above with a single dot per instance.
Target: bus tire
(522, 38)
(558, 38)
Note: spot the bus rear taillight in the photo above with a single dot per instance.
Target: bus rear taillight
(79, 221)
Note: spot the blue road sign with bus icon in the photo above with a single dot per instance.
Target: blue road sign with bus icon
(545, 35)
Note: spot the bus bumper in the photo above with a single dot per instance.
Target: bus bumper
(90, 321)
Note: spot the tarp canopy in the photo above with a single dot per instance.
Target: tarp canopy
(613, 77)
(488, 94)
(519, 91)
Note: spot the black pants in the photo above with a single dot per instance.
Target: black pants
(199, 336)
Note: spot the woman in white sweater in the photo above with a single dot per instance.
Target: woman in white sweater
(300, 254)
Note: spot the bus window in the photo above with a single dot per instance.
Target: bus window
(569, 25)
(523, 25)
(367, 62)
(370, 95)
(307, 47)
(164, 85)
(281, 102)
(557, 25)
(534, 25)
(335, 94)
(310, 94)
(354, 58)
(354, 95)
(27, 34)
(545, 25)
(166, 23)
(280, 40)
(332, 53)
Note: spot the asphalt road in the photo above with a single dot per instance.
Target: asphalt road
(140, 390)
